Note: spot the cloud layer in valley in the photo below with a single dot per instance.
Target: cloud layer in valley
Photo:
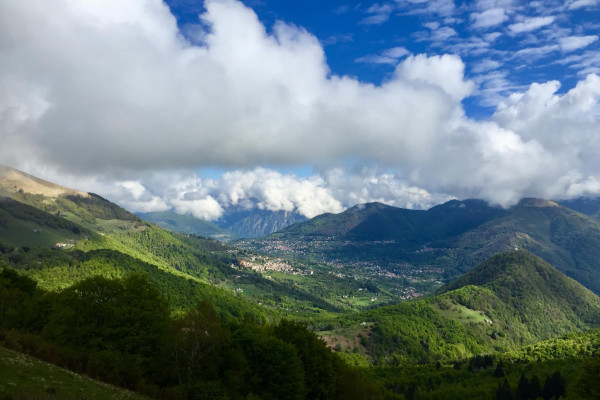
(115, 96)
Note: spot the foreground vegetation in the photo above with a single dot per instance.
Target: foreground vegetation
(121, 331)
(26, 377)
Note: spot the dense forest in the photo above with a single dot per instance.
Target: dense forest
(121, 331)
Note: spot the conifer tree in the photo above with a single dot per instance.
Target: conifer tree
(504, 392)
(499, 371)
(522, 391)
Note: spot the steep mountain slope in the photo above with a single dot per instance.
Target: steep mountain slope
(187, 224)
(254, 223)
(568, 240)
(444, 241)
(14, 182)
(235, 223)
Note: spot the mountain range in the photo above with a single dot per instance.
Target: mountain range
(483, 284)
(447, 240)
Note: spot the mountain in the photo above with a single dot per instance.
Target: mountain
(512, 299)
(377, 221)
(526, 290)
(254, 223)
(568, 240)
(584, 205)
(187, 224)
(426, 247)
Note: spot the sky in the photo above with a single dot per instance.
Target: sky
(311, 106)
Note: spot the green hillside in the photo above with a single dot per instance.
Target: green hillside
(568, 240)
(377, 221)
(25, 377)
(176, 315)
(511, 300)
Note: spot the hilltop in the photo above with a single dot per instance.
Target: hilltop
(512, 299)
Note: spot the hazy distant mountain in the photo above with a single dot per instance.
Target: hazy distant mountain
(255, 222)
(187, 224)
(235, 223)
(587, 206)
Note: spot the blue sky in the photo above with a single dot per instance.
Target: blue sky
(506, 45)
(306, 106)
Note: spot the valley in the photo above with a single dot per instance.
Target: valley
(395, 301)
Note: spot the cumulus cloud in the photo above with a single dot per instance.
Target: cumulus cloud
(567, 128)
(113, 94)
(331, 190)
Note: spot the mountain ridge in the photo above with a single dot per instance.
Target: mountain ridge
(451, 238)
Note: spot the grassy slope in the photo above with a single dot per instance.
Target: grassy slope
(25, 377)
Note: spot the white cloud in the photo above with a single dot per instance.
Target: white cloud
(378, 14)
(491, 37)
(571, 43)
(485, 65)
(443, 8)
(396, 52)
(576, 4)
(207, 208)
(536, 52)
(488, 18)
(445, 72)
(442, 34)
(530, 24)
(565, 125)
(390, 56)
(111, 94)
